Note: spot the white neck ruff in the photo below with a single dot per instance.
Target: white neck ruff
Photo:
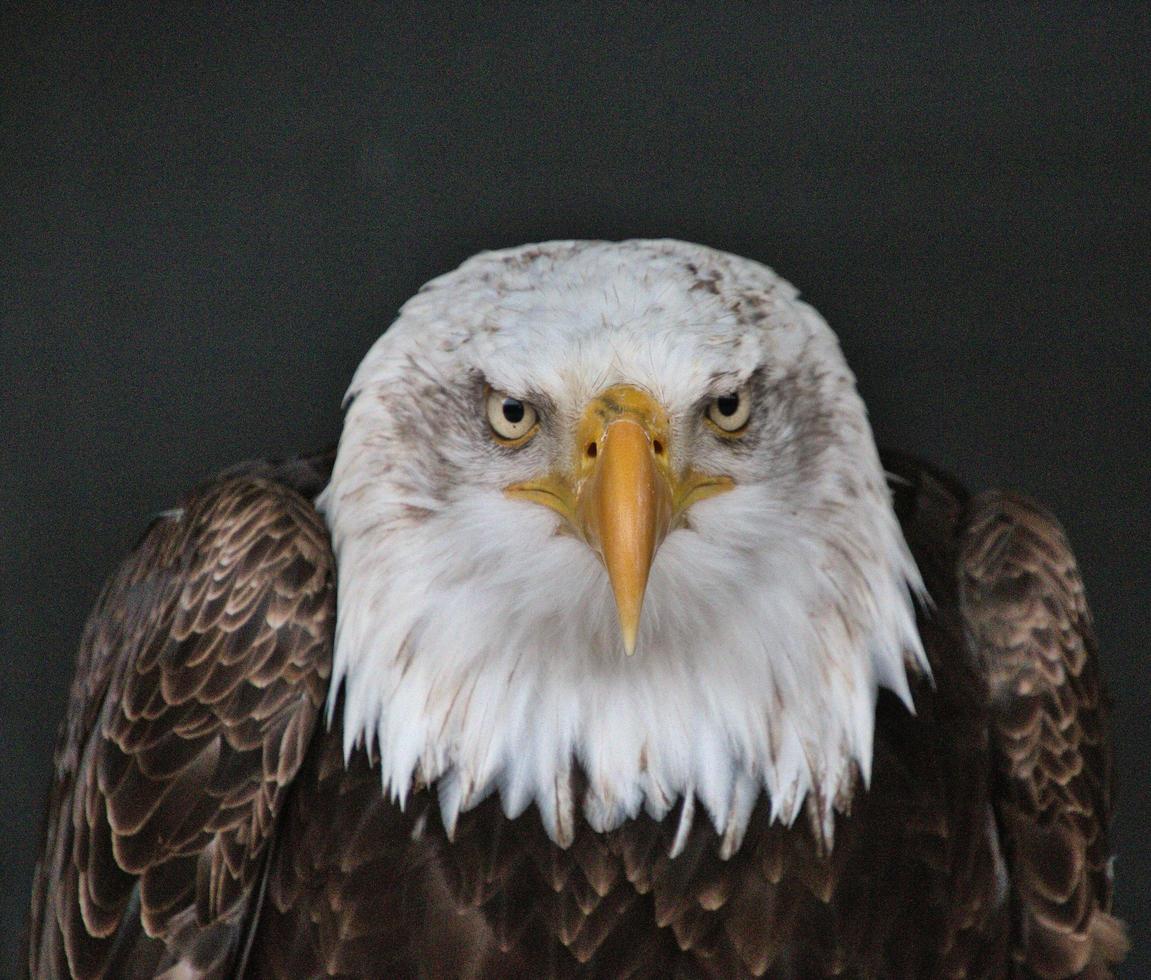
(753, 674)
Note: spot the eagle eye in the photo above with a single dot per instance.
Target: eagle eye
(729, 413)
(511, 419)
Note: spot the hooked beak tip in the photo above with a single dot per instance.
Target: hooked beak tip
(630, 633)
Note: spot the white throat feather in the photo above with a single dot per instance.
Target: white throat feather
(478, 649)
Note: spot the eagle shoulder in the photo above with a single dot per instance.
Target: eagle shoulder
(1029, 627)
(200, 677)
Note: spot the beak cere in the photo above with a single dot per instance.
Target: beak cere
(625, 511)
(620, 495)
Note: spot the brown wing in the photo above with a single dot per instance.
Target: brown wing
(200, 677)
(1024, 608)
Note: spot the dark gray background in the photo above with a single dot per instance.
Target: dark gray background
(208, 217)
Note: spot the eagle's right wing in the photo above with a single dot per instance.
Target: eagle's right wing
(1027, 619)
(200, 679)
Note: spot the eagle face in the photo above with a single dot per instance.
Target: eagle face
(566, 453)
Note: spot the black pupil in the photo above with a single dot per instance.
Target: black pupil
(728, 405)
(513, 410)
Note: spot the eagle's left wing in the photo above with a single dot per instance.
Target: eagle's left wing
(201, 675)
(1027, 619)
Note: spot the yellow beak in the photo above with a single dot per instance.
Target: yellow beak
(622, 496)
(624, 510)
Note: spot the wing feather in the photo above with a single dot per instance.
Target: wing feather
(200, 678)
(1026, 614)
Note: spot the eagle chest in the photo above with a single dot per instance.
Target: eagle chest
(358, 887)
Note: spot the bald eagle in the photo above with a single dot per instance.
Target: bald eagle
(643, 662)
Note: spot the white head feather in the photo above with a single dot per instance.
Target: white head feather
(480, 650)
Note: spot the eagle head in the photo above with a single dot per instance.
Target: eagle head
(615, 506)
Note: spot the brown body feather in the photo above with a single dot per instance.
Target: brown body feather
(191, 821)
